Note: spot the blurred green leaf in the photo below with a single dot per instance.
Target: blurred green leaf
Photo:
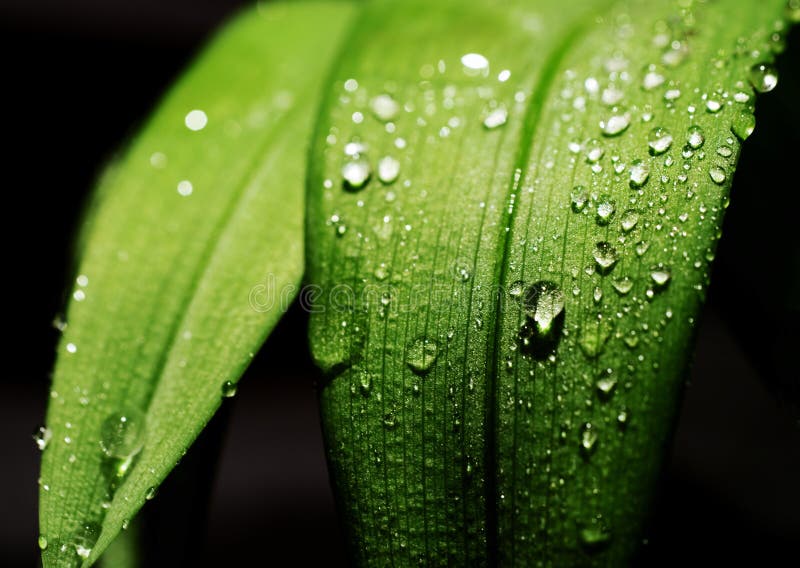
(512, 211)
(191, 251)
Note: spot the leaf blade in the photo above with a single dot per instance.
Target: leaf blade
(204, 212)
(418, 469)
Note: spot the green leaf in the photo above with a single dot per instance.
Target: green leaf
(191, 252)
(505, 327)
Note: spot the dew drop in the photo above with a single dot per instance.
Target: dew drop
(388, 169)
(629, 220)
(516, 289)
(121, 438)
(365, 383)
(474, 62)
(594, 151)
(356, 174)
(42, 542)
(696, 137)
(793, 11)
(717, 174)
(150, 493)
(622, 285)
(588, 439)
(725, 151)
(593, 338)
(652, 80)
(713, 106)
(185, 188)
(384, 107)
(462, 271)
(605, 387)
(594, 538)
(421, 354)
(195, 120)
(605, 211)
(84, 539)
(41, 436)
(605, 255)
(660, 277)
(615, 124)
(639, 173)
(543, 304)
(495, 119)
(579, 197)
(763, 77)
(228, 389)
(659, 141)
(743, 125)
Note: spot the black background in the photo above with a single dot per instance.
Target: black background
(79, 76)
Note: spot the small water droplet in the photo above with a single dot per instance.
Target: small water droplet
(388, 169)
(496, 118)
(588, 439)
(622, 285)
(544, 304)
(594, 151)
(228, 389)
(639, 173)
(462, 271)
(41, 436)
(593, 338)
(606, 208)
(356, 174)
(516, 289)
(659, 141)
(743, 125)
(474, 62)
(660, 276)
(629, 220)
(605, 387)
(421, 354)
(652, 80)
(763, 77)
(150, 493)
(384, 107)
(605, 255)
(42, 542)
(579, 198)
(615, 124)
(713, 106)
(195, 120)
(696, 137)
(725, 151)
(84, 539)
(594, 538)
(717, 174)
(185, 188)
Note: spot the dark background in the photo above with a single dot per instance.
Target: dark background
(79, 76)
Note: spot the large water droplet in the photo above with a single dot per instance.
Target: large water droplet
(615, 124)
(544, 303)
(388, 169)
(743, 125)
(421, 354)
(384, 107)
(41, 436)
(660, 276)
(496, 118)
(695, 138)
(659, 141)
(606, 208)
(84, 539)
(122, 437)
(763, 77)
(605, 387)
(639, 173)
(356, 174)
(605, 255)
(622, 285)
(717, 174)
(629, 220)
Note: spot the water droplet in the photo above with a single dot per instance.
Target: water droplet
(622, 285)
(388, 169)
(516, 289)
(356, 174)
(185, 188)
(725, 151)
(629, 220)
(384, 107)
(622, 417)
(41, 436)
(42, 542)
(588, 439)
(639, 173)
(597, 295)
(122, 437)
(615, 124)
(195, 120)
(713, 106)
(743, 125)
(605, 255)
(594, 538)
(496, 118)
(365, 383)
(593, 338)
(150, 493)
(543, 304)
(605, 387)
(717, 174)
(605, 210)
(652, 80)
(763, 77)
(696, 137)
(84, 539)
(421, 354)
(659, 141)
(474, 62)
(611, 96)
(228, 389)
(389, 420)
(793, 11)
(660, 276)
(594, 151)
(579, 198)
(462, 271)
